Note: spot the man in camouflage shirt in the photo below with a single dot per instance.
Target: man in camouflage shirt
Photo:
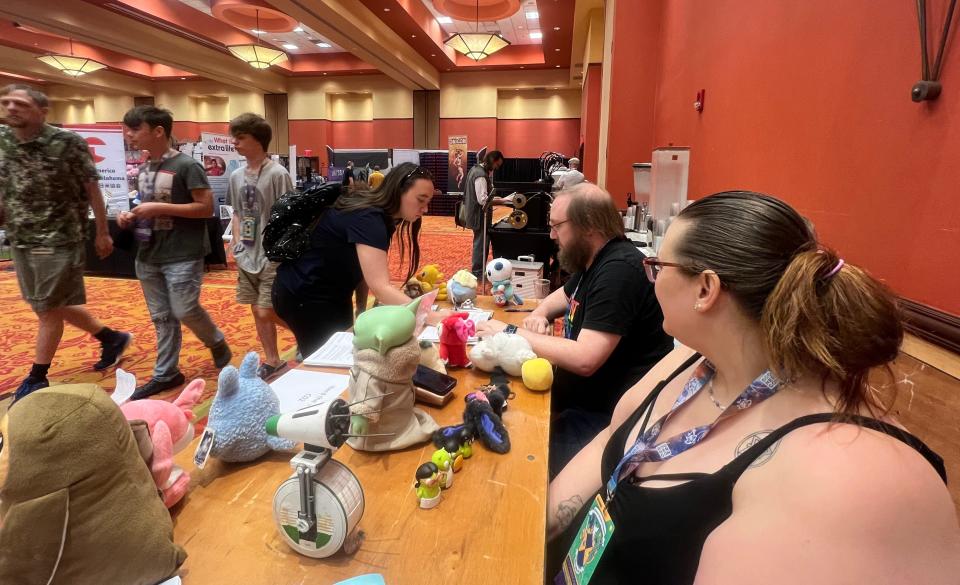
(47, 181)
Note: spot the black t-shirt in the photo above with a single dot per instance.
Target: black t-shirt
(347, 175)
(612, 296)
(330, 271)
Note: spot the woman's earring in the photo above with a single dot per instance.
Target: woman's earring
(696, 306)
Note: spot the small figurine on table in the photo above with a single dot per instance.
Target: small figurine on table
(500, 271)
(455, 330)
(466, 443)
(444, 462)
(452, 446)
(428, 485)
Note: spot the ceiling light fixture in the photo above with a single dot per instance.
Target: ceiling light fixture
(536, 35)
(533, 15)
(70, 65)
(444, 20)
(476, 45)
(324, 45)
(256, 55)
(257, 31)
(299, 29)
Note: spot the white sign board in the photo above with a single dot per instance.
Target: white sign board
(106, 149)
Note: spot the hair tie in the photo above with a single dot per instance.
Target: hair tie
(835, 270)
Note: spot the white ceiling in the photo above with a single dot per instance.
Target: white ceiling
(515, 29)
(305, 41)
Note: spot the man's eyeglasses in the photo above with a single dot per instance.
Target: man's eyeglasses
(554, 226)
(653, 266)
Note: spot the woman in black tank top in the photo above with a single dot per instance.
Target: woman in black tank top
(742, 279)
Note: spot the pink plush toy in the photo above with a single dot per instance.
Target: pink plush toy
(171, 430)
(455, 330)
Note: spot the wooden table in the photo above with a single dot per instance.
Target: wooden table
(489, 528)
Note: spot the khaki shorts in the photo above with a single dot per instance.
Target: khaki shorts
(253, 288)
(51, 278)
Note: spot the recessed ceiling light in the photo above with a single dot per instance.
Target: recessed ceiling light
(290, 46)
(521, 67)
(556, 28)
(558, 67)
(298, 29)
(183, 78)
(433, 54)
(516, 89)
(444, 19)
(258, 32)
(557, 50)
(533, 15)
(386, 10)
(323, 45)
(536, 35)
(413, 36)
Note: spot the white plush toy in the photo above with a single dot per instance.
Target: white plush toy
(506, 350)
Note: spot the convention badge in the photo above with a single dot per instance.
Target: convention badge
(585, 551)
(203, 449)
(248, 230)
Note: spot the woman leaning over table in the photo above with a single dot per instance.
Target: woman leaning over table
(764, 456)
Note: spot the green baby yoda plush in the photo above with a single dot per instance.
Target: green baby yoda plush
(385, 357)
(78, 505)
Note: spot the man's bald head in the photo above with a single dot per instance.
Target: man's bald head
(591, 209)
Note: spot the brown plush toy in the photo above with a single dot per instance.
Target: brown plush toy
(78, 505)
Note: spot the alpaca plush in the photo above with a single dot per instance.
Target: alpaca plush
(455, 330)
(171, 430)
(462, 287)
(240, 410)
(77, 503)
(385, 356)
(499, 272)
(506, 350)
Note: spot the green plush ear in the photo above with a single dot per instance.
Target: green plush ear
(385, 327)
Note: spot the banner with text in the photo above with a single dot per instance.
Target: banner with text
(106, 149)
(220, 159)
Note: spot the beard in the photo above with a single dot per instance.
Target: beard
(575, 256)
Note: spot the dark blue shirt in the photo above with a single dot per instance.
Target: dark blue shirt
(330, 270)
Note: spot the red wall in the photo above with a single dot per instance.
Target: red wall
(635, 71)
(590, 120)
(531, 138)
(810, 101)
(313, 135)
(480, 132)
(190, 131)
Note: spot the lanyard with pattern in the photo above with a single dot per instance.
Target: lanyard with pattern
(149, 181)
(647, 449)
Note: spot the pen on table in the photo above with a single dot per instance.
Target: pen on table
(519, 310)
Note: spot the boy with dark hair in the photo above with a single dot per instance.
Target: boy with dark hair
(252, 191)
(170, 226)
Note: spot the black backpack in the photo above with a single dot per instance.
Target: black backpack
(287, 233)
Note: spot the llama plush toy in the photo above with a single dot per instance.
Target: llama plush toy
(171, 429)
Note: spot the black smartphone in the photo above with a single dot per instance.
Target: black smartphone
(433, 380)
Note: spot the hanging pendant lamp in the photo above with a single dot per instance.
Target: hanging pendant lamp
(71, 65)
(256, 55)
(476, 45)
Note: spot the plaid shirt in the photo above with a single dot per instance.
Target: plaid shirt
(42, 186)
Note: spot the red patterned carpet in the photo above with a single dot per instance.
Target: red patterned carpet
(120, 305)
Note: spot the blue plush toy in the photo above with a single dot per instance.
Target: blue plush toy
(240, 410)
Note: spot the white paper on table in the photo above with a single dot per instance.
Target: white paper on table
(432, 333)
(299, 388)
(337, 352)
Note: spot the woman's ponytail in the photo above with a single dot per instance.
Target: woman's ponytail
(829, 318)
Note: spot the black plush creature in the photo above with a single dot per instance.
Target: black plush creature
(485, 423)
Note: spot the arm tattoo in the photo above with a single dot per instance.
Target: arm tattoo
(751, 440)
(567, 511)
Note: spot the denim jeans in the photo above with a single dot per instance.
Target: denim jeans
(570, 431)
(172, 291)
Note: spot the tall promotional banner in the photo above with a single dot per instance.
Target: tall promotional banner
(106, 148)
(457, 146)
(220, 159)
